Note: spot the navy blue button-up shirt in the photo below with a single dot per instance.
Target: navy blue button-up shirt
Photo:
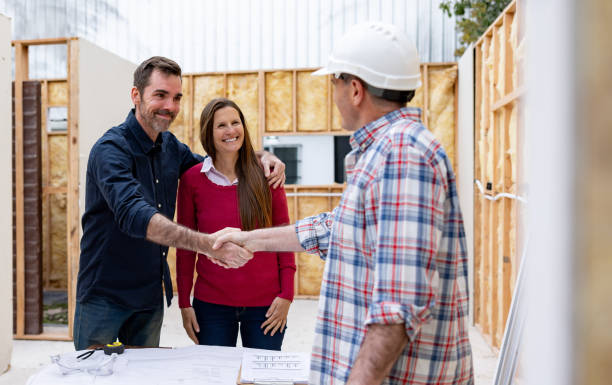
(129, 179)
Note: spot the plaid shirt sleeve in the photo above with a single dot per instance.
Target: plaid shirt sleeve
(409, 220)
(314, 233)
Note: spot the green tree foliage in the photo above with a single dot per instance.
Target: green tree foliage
(473, 17)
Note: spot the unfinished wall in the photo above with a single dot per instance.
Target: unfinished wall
(6, 207)
(498, 88)
(287, 102)
(54, 93)
(294, 103)
(304, 201)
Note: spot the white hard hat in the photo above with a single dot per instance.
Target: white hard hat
(379, 54)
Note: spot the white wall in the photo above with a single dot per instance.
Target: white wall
(465, 157)
(105, 81)
(549, 128)
(6, 198)
(317, 166)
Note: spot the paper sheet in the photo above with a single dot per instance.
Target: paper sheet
(270, 366)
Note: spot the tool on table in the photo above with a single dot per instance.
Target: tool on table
(115, 347)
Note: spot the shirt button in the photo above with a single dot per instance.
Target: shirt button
(159, 205)
(164, 253)
(156, 180)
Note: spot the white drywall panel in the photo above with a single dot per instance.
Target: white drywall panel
(105, 81)
(465, 157)
(6, 200)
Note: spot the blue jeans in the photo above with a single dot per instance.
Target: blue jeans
(99, 321)
(219, 326)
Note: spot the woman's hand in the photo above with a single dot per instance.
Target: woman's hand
(277, 316)
(190, 323)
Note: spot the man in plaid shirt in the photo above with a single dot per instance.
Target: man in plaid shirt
(393, 307)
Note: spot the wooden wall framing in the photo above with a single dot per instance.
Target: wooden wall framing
(498, 76)
(292, 102)
(71, 189)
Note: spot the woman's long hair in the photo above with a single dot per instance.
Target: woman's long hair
(254, 198)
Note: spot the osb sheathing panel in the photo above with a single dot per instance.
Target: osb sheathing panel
(180, 127)
(442, 107)
(58, 93)
(279, 101)
(205, 88)
(58, 161)
(57, 277)
(244, 90)
(336, 118)
(310, 266)
(417, 100)
(312, 101)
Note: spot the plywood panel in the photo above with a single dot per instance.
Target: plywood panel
(312, 100)
(205, 88)
(279, 101)
(244, 90)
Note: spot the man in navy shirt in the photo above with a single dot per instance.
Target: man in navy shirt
(132, 177)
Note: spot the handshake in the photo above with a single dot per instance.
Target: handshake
(228, 247)
(232, 248)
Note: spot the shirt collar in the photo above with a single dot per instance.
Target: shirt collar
(209, 167)
(363, 137)
(143, 140)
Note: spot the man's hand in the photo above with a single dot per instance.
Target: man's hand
(277, 316)
(236, 238)
(273, 169)
(190, 323)
(227, 255)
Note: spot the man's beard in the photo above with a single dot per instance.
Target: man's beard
(156, 123)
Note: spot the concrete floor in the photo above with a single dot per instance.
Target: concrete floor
(29, 356)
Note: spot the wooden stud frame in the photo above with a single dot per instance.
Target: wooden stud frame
(497, 92)
(72, 234)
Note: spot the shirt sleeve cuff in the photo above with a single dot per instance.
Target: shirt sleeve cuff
(389, 313)
(313, 234)
(141, 221)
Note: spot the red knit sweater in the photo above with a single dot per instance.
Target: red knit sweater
(207, 207)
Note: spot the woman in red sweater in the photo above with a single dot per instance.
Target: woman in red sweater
(229, 189)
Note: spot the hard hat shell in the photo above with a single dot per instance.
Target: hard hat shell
(380, 54)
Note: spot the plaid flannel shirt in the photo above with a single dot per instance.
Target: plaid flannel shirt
(395, 253)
